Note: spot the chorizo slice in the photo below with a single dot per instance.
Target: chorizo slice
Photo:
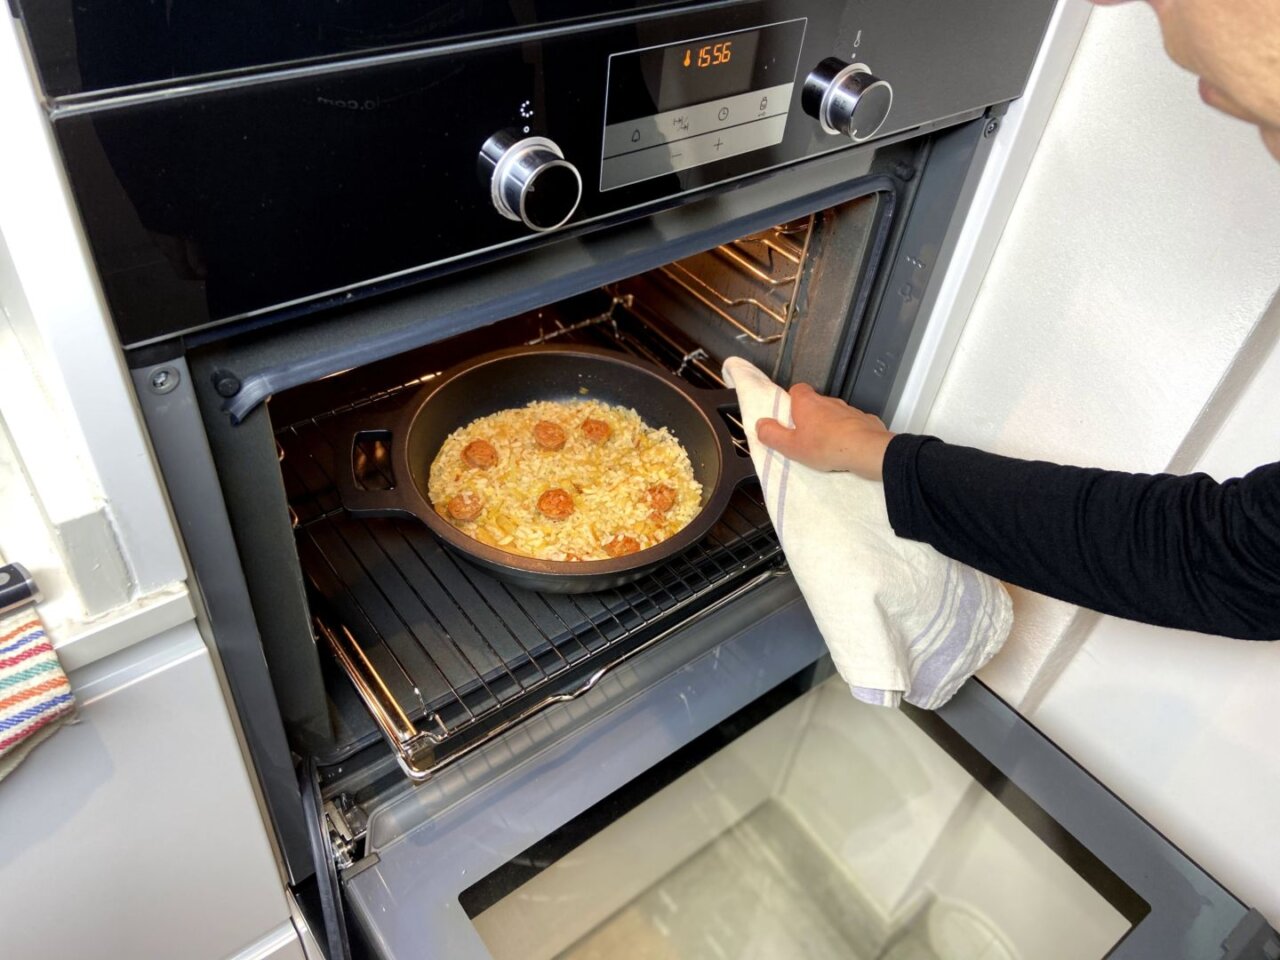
(555, 504)
(597, 431)
(548, 435)
(662, 497)
(465, 506)
(480, 454)
(621, 546)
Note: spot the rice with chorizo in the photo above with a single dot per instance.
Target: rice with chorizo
(567, 480)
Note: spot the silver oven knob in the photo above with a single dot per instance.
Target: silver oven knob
(845, 98)
(530, 180)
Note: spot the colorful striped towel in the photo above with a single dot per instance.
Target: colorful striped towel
(901, 620)
(35, 697)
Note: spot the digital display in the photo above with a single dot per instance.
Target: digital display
(679, 105)
(707, 69)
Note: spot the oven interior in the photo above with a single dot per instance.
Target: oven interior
(424, 652)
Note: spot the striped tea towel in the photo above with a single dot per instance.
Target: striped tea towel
(35, 697)
(900, 619)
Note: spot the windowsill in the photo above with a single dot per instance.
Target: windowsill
(79, 644)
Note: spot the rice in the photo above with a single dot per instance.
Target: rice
(609, 482)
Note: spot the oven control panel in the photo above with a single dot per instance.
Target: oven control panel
(228, 200)
(679, 105)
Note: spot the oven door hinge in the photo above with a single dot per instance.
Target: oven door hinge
(346, 825)
(1252, 939)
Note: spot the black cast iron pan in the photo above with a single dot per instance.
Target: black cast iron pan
(514, 378)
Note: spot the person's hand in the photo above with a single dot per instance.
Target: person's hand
(828, 435)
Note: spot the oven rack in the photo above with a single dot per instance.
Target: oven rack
(445, 657)
(751, 283)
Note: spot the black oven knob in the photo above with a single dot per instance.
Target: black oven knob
(530, 180)
(846, 99)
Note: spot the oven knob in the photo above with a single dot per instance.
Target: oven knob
(530, 180)
(845, 98)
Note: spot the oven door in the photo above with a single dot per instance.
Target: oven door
(725, 796)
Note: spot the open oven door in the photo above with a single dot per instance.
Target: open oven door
(776, 816)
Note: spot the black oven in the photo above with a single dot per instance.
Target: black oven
(301, 213)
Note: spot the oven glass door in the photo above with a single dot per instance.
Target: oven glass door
(831, 829)
(724, 796)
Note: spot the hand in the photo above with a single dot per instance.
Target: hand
(828, 435)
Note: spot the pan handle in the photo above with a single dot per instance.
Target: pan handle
(355, 497)
(738, 468)
(396, 500)
(388, 421)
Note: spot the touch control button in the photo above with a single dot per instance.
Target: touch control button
(678, 124)
(666, 158)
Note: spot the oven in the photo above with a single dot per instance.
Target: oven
(302, 216)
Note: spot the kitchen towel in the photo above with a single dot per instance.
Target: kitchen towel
(35, 697)
(901, 620)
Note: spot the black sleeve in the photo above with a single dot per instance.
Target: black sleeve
(1184, 552)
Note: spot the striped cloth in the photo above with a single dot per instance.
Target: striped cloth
(35, 697)
(901, 620)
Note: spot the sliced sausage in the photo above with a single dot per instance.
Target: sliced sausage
(555, 504)
(597, 431)
(622, 545)
(661, 497)
(480, 454)
(548, 435)
(465, 506)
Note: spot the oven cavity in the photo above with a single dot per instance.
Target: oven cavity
(435, 654)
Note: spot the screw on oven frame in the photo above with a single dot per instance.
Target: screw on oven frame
(992, 126)
(165, 380)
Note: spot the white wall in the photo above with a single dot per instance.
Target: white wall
(1140, 256)
(1183, 725)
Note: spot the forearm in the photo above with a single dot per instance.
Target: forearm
(1176, 551)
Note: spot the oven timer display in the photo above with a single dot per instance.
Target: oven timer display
(702, 70)
(679, 105)
(711, 55)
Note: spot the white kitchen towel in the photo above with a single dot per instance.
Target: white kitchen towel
(900, 619)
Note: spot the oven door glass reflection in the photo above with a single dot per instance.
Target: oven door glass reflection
(830, 829)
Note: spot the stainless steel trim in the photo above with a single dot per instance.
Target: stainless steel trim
(524, 190)
(825, 113)
(373, 691)
(505, 169)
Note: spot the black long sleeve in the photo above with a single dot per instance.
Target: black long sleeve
(1184, 552)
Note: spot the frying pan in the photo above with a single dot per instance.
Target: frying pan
(515, 378)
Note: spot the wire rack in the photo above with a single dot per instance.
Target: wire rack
(445, 656)
(750, 284)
